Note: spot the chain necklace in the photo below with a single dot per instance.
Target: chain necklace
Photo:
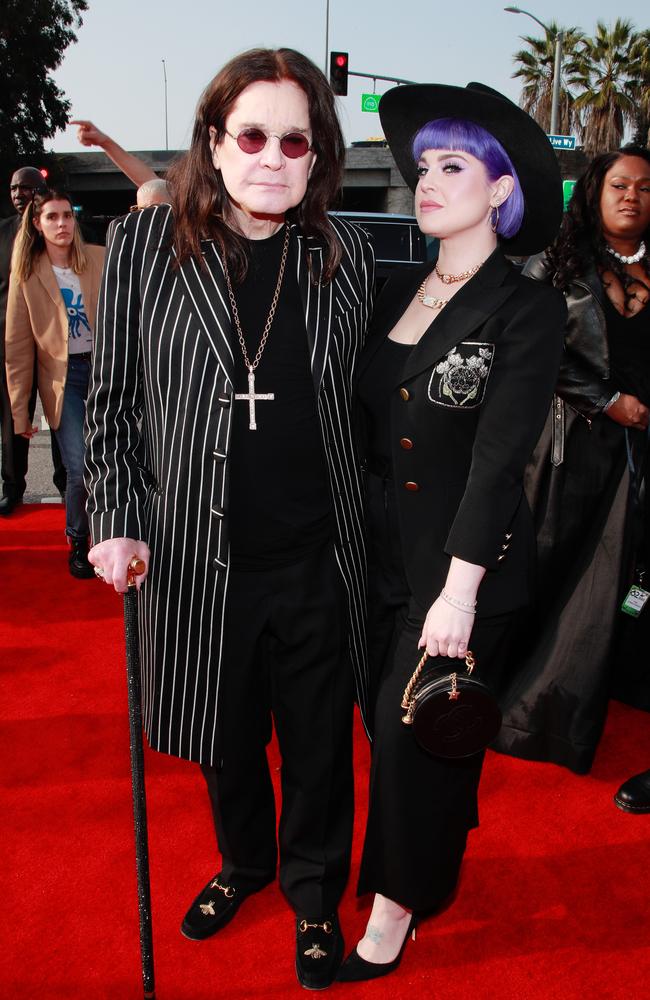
(449, 279)
(430, 300)
(632, 259)
(251, 396)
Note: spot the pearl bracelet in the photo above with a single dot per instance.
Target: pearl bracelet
(469, 607)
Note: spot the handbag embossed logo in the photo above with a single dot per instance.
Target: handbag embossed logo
(452, 714)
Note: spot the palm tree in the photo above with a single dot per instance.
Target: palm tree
(603, 72)
(639, 87)
(536, 66)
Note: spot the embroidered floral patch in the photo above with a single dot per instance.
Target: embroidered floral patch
(461, 378)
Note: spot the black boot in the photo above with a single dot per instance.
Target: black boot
(78, 559)
(8, 503)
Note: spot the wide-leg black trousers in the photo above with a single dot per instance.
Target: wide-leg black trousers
(421, 807)
(286, 659)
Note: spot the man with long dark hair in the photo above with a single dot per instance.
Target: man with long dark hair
(220, 452)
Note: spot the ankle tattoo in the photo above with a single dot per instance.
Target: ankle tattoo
(374, 934)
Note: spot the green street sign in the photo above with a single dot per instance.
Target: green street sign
(567, 191)
(370, 102)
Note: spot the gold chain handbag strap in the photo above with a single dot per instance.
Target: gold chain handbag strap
(408, 701)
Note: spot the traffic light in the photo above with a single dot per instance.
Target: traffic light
(339, 73)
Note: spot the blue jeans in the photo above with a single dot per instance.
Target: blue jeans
(70, 438)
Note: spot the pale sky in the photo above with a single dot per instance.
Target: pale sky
(114, 74)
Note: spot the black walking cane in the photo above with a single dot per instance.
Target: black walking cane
(136, 567)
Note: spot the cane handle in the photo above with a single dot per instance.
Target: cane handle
(136, 568)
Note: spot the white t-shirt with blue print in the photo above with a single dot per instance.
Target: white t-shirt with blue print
(80, 334)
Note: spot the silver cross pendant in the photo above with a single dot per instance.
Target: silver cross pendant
(252, 398)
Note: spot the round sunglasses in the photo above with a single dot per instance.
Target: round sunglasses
(253, 140)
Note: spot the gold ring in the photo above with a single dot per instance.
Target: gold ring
(99, 572)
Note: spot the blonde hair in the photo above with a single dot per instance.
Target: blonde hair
(30, 243)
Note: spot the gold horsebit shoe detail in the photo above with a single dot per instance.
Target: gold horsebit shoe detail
(207, 909)
(315, 951)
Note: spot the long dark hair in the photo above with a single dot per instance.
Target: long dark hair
(581, 235)
(30, 243)
(200, 200)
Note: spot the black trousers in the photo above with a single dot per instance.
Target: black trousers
(15, 449)
(286, 658)
(421, 807)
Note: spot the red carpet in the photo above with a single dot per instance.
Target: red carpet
(555, 893)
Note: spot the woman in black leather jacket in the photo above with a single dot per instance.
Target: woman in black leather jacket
(585, 479)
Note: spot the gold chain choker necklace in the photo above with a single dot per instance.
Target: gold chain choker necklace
(449, 279)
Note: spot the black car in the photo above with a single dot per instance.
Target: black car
(397, 240)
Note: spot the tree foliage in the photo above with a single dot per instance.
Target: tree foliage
(605, 83)
(603, 77)
(536, 68)
(33, 38)
(640, 87)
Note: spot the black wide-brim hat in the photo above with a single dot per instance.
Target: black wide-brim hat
(405, 110)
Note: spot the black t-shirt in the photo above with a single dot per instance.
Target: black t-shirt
(279, 498)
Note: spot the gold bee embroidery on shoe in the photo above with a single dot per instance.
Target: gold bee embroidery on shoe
(315, 952)
(227, 890)
(207, 909)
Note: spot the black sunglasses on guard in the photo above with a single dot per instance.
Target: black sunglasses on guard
(253, 140)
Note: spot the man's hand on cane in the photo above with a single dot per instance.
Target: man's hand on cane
(112, 560)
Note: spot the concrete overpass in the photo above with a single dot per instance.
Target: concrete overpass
(372, 182)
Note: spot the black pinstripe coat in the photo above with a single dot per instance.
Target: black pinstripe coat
(158, 437)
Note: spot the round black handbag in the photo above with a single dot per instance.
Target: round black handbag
(452, 715)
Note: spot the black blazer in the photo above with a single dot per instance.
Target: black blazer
(465, 415)
(159, 449)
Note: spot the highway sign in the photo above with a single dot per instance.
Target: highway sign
(562, 141)
(370, 102)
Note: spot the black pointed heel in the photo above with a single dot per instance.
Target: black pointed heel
(356, 969)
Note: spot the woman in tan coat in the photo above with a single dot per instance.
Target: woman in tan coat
(50, 318)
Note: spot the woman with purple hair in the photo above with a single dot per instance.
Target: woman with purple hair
(454, 386)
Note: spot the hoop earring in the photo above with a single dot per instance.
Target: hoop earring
(494, 223)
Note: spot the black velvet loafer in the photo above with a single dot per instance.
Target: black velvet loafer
(319, 951)
(634, 794)
(215, 906)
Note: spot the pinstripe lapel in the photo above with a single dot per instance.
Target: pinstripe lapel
(207, 292)
(318, 303)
